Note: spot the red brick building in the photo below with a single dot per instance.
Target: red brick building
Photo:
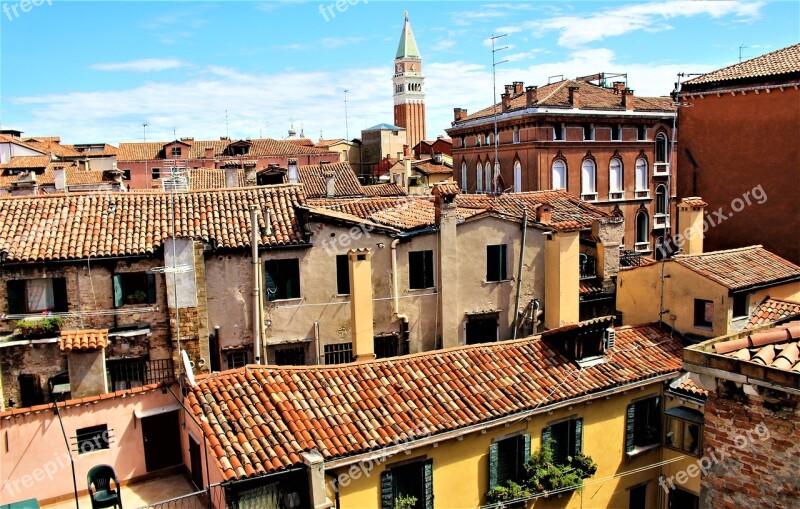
(600, 143)
(147, 162)
(742, 132)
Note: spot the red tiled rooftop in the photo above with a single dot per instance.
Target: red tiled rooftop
(261, 147)
(741, 268)
(389, 189)
(83, 340)
(345, 181)
(429, 167)
(259, 419)
(772, 310)
(211, 178)
(785, 61)
(774, 347)
(685, 385)
(694, 201)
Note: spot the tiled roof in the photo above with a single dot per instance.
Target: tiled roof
(211, 178)
(50, 145)
(741, 268)
(48, 407)
(589, 287)
(389, 189)
(591, 97)
(694, 201)
(83, 340)
(429, 167)
(76, 226)
(108, 150)
(775, 347)
(74, 176)
(26, 162)
(261, 147)
(772, 310)
(345, 180)
(303, 142)
(685, 385)
(259, 419)
(4, 138)
(775, 64)
(327, 143)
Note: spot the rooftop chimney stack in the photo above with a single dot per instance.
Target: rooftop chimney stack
(574, 97)
(618, 86)
(627, 98)
(330, 183)
(518, 87)
(506, 101)
(544, 213)
(231, 177)
(60, 178)
(459, 114)
(509, 89)
(446, 218)
(361, 314)
(209, 153)
(530, 96)
(293, 173)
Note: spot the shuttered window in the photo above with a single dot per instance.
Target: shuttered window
(282, 279)
(643, 424)
(566, 439)
(507, 460)
(37, 295)
(134, 288)
(410, 480)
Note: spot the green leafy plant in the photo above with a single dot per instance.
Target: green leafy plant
(140, 296)
(511, 491)
(39, 327)
(544, 474)
(405, 502)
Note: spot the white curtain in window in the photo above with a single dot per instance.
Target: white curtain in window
(641, 175)
(588, 174)
(559, 175)
(479, 177)
(489, 177)
(39, 295)
(464, 177)
(615, 176)
(517, 177)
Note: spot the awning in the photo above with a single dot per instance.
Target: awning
(141, 414)
(686, 414)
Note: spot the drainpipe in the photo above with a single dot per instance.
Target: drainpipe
(519, 270)
(395, 283)
(256, 299)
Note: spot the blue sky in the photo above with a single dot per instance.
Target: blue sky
(95, 71)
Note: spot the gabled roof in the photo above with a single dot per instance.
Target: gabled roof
(77, 226)
(4, 138)
(27, 162)
(389, 189)
(772, 310)
(431, 167)
(742, 268)
(407, 48)
(345, 181)
(771, 66)
(259, 419)
(261, 147)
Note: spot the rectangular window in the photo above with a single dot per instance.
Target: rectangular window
(616, 132)
(496, 262)
(37, 295)
(126, 174)
(30, 390)
(175, 152)
(643, 425)
(641, 133)
(236, 358)
(420, 270)
(386, 346)
(588, 132)
(295, 356)
(638, 497)
(155, 173)
(127, 373)
(402, 483)
(342, 275)
(515, 138)
(283, 279)
(134, 288)
(566, 439)
(559, 132)
(339, 353)
(507, 460)
(682, 499)
(684, 430)
(93, 438)
(703, 314)
(482, 329)
(740, 305)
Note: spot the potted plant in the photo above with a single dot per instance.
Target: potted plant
(37, 328)
(140, 296)
(131, 299)
(405, 502)
(508, 495)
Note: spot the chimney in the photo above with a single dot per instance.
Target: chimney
(561, 278)
(316, 479)
(506, 100)
(574, 97)
(446, 218)
(690, 222)
(530, 96)
(618, 86)
(361, 304)
(293, 173)
(627, 98)
(406, 152)
(509, 89)
(517, 88)
(459, 114)
(60, 178)
(330, 183)
(544, 213)
(250, 173)
(209, 153)
(231, 176)
(86, 366)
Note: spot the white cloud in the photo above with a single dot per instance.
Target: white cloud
(579, 30)
(141, 65)
(338, 42)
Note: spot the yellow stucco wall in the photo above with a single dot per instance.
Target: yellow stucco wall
(460, 467)
(561, 279)
(669, 470)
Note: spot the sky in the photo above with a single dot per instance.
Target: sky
(96, 71)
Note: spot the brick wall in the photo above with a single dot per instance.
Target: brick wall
(761, 470)
(44, 360)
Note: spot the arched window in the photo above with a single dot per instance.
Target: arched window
(489, 178)
(517, 177)
(641, 175)
(479, 177)
(588, 180)
(661, 199)
(463, 177)
(642, 231)
(661, 148)
(615, 181)
(559, 174)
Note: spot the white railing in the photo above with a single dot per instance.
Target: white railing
(660, 169)
(661, 221)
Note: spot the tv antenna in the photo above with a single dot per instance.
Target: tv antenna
(496, 169)
(346, 127)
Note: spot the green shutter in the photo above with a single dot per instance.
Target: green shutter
(630, 426)
(492, 466)
(547, 435)
(59, 294)
(428, 471)
(151, 288)
(117, 291)
(578, 435)
(15, 293)
(271, 288)
(526, 447)
(387, 490)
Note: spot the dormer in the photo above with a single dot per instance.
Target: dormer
(238, 148)
(584, 343)
(177, 149)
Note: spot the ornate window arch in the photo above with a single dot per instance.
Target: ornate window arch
(559, 174)
(517, 177)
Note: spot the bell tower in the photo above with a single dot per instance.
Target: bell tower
(409, 92)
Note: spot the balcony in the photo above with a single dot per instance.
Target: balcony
(660, 221)
(660, 169)
(136, 372)
(588, 267)
(630, 259)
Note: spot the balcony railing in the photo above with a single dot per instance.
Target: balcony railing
(136, 372)
(588, 267)
(630, 259)
(660, 221)
(660, 169)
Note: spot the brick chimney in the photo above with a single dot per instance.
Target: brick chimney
(445, 210)
(506, 101)
(250, 173)
(459, 114)
(60, 178)
(627, 98)
(293, 174)
(509, 89)
(618, 86)
(231, 177)
(544, 213)
(574, 97)
(690, 221)
(406, 151)
(330, 183)
(518, 88)
(361, 316)
(530, 96)
(209, 153)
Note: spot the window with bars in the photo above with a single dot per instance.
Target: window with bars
(496, 262)
(339, 353)
(295, 356)
(236, 358)
(93, 438)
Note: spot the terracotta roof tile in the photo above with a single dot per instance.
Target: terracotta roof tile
(685, 385)
(430, 167)
(345, 180)
(348, 409)
(74, 176)
(27, 162)
(774, 347)
(389, 189)
(741, 268)
(83, 340)
(261, 147)
(75, 226)
(772, 310)
(211, 178)
(694, 201)
(777, 63)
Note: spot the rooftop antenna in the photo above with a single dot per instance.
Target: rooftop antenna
(740, 52)
(346, 127)
(496, 170)
(174, 133)
(227, 135)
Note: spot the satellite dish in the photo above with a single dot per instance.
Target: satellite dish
(187, 367)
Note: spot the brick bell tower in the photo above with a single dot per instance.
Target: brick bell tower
(409, 95)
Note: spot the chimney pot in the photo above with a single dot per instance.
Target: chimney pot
(209, 153)
(293, 173)
(618, 86)
(506, 100)
(543, 213)
(518, 87)
(459, 114)
(509, 89)
(627, 98)
(60, 178)
(530, 96)
(574, 97)
(330, 183)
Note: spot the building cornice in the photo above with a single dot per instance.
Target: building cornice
(520, 114)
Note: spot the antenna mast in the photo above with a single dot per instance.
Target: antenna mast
(496, 169)
(346, 127)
